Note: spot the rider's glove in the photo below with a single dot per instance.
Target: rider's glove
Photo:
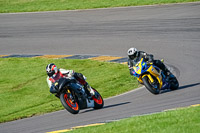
(149, 62)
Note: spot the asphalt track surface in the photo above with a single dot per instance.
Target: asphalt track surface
(171, 32)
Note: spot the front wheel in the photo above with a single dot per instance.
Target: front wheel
(150, 87)
(98, 100)
(69, 103)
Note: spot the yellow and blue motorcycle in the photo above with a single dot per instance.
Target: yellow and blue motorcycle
(153, 78)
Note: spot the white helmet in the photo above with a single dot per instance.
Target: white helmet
(132, 53)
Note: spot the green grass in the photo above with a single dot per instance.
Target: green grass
(178, 121)
(24, 91)
(7, 6)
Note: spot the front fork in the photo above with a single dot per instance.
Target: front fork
(149, 77)
(152, 80)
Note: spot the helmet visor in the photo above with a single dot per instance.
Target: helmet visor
(132, 56)
(50, 74)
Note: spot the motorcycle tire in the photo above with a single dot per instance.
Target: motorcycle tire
(149, 86)
(98, 100)
(70, 106)
(174, 84)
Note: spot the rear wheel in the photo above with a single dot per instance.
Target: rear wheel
(174, 83)
(69, 102)
(153, 88)
(98, 100)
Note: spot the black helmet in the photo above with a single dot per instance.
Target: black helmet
(51, 70)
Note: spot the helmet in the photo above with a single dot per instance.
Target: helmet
(51, 70)
(132, 53)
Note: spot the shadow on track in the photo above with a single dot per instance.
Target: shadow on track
(188, 86)
(181, 87)
(108, 106)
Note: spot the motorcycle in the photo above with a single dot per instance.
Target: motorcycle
(74, 97)
(153, 78)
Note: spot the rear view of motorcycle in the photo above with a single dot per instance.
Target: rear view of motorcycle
(154, 78)
(74, 98)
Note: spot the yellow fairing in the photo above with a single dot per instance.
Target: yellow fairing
(154, 73)
(137, 66)
(149, 76)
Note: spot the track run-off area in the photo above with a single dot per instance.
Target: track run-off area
(170, 32)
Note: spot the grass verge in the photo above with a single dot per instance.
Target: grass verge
(24, 91)
(178, 121)
(52, 5)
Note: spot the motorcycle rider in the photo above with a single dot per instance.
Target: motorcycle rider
(55, 74)
(135, 56)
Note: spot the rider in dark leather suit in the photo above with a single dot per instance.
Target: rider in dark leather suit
(55, 74)
(135, 56)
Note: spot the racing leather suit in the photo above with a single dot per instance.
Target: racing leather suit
(62, 73)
